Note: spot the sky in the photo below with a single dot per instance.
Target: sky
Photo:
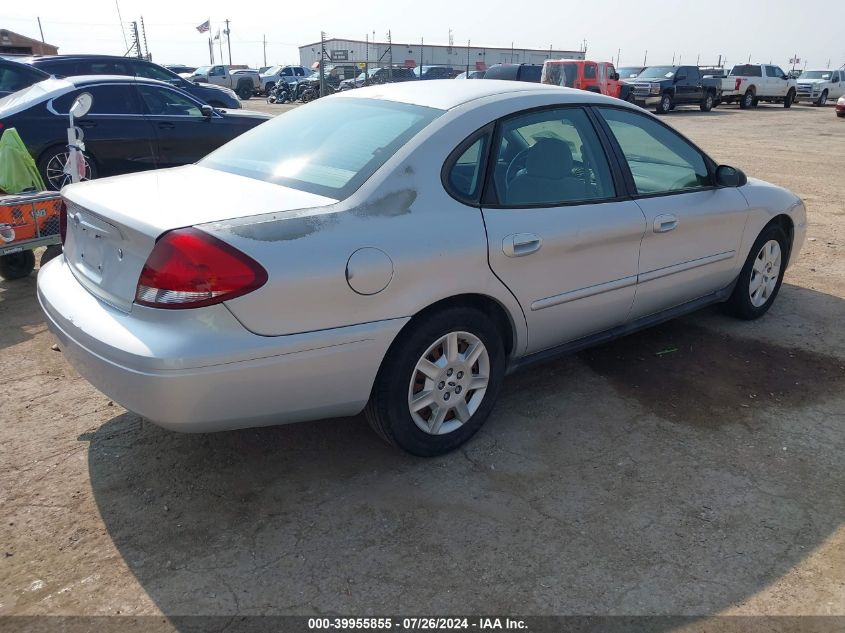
(766, 30)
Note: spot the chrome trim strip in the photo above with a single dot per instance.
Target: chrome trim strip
(679, 268)
(582, 293)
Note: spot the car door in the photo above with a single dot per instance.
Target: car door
(116, 133)
(775, 82)
(217, 76)
(561, 234)
(837, 87)
(693, 228)
(184, 134)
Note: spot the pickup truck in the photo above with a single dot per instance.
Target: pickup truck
(749, 84)
(243, 82)
(668, 86)
(817, 86)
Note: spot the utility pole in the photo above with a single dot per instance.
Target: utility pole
(511, 52)
(228, 42)
(390, 49)
(120, 21)
(645, 57)
(147, 55)
(618, 55)
(41, 31)
(367, 60)
(421, 57)
(265, 49)
(322, 63)
(468, 43)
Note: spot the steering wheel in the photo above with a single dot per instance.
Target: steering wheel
(517, 163)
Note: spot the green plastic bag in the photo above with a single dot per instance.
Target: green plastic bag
(18, 172)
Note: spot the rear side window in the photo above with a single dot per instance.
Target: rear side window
(531, 73)
(117, 99)
(465, 175)
(660, 161)
(589, 71)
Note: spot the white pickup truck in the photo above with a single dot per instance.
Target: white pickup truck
(749, 84)
(818, 86)
(245, 82)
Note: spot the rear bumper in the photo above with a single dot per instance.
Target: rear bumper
(201, 370)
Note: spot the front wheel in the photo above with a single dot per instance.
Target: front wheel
(438, 384)
(761, 277)
(789, 99)
(17, 265)
(822, 99)
(665, 104)
(52, 163)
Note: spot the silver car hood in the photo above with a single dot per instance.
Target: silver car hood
(153, 202)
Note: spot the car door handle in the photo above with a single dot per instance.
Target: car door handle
(86, 124)
(166, 125)
(665, 223)
(521, 244)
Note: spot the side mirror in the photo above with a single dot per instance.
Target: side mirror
(727, 176)
(615, 76)
(82, 105)
(207, 111)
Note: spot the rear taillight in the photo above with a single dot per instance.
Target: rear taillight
(63, 221)
(189, 268)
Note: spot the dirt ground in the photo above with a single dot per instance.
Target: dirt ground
(708, 480)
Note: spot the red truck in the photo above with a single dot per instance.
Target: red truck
(587, 75)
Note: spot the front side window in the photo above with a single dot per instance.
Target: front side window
(330, 148)
(153, 72)
(550, 158)
(217, 71)
(660, 161)
(287, 72)
(163, 102)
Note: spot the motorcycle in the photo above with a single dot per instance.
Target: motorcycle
(282, 92)
(309, 90)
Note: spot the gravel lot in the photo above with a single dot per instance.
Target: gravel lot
(618, 481)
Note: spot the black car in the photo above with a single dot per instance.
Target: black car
(133, 124)
(15, 76)
(515, 72)
(434, 72)
(668, 86)
(75, 65)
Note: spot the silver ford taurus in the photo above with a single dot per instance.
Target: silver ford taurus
(396, 250)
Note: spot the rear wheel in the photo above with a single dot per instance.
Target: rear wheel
(52, 163)
(665, 104)
(761, 276)
(708, 102)
(747, 100)
(17, 265)
(245, 90)
(438, 384)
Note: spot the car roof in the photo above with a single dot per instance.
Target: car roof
(35, 58)
(445, 94)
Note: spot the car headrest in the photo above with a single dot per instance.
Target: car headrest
(549, 158)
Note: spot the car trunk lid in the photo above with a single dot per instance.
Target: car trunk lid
(113, 224)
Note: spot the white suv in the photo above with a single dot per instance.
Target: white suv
(817, 86)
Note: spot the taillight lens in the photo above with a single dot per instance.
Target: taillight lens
(189, 268)
(63, 221)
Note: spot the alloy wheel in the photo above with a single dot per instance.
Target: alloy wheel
(54, 171)
(448, 383)
(765, 273)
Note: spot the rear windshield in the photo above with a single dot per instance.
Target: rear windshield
(329, 147)
(747, 70)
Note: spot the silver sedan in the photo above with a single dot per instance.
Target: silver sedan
(398, 249)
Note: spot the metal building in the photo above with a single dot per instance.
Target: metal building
(16, 44)
(359, 52)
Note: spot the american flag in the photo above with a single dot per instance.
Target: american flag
(203, 28)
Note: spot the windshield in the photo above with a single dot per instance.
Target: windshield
(329, 147)
(202, 70)
(272, 70)
(657, 72)
(629, 72)
(816, 74)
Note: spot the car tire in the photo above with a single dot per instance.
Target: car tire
(707, 104)
(822, 100)
(17, 265)
(245, 90)
(665, 104)
(747, 100)
(789, 99)
(457, 409)
(51, 252)
(762, 275)
(51, 162)
(755, 103)
(841, 115)
(269, 88)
